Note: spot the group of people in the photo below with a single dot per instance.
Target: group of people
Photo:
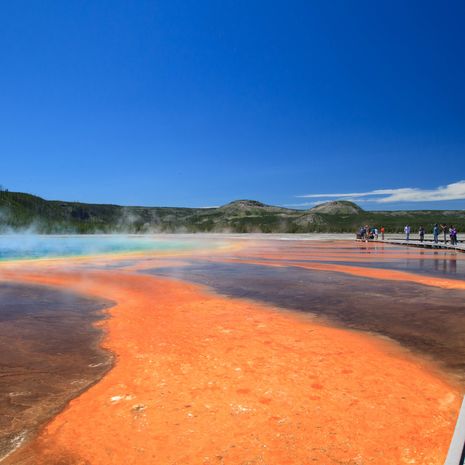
(365, 233)
(446, 230)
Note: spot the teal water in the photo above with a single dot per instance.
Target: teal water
(27, 246)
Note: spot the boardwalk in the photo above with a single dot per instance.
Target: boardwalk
(456, 451)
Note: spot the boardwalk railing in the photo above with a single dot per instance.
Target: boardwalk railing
(456, 454)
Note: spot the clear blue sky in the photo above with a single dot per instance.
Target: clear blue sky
(197, 103)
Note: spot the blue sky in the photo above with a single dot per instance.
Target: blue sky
(185, 103)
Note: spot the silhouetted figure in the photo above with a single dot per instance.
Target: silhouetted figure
(445, 231)
(421, 232)
(367, 233)
(453, 235)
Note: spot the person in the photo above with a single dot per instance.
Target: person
(436, 233)
(407, 232)
(367, 233)
(421, 232)
(445, 230)
(453, 235)
(382, 233)
(375, 232)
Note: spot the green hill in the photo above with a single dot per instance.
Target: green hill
(19, 211)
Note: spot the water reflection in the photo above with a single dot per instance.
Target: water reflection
(434, 263)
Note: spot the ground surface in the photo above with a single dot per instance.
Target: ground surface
(205, 378)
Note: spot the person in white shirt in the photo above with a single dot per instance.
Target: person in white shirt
(407, 232)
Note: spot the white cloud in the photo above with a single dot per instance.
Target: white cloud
(352, 194)
(303, 204)
(454, 191)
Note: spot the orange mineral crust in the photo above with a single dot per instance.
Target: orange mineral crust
(201, 379)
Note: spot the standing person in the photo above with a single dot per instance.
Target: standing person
(445, 230)
(376, 233)
(367, 233)
(382, 233)
(407, 232)
(421, 232)
(453, 235)
(436, 233)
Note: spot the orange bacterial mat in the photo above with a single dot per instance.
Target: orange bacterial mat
(203, 379)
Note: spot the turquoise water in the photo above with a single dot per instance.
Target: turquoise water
(27, 246)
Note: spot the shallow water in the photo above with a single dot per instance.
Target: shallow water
(49, 352)
(27, 246)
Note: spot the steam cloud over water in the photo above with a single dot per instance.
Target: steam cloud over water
(17, 246)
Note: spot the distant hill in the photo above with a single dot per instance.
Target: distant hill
(19, 211)
(338, 207)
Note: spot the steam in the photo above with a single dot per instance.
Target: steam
(17, 246)
(129, 220)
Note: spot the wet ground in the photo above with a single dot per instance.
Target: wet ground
(442, 264)
(206, 379)
(49, 352)
(427, 320)
(235, 381)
